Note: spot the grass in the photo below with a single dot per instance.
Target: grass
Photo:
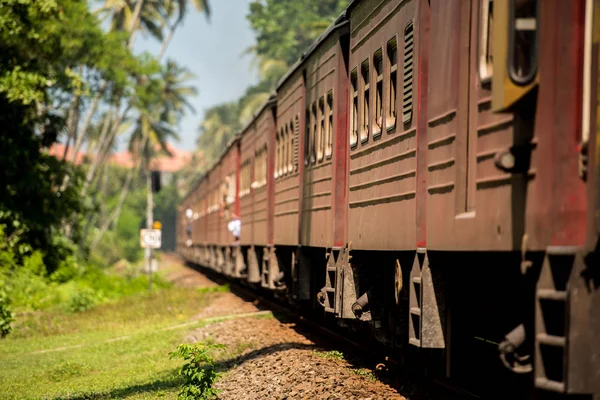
(364, 373)
(135, 366)
(330, 355)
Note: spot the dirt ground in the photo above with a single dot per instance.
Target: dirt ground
(271, 358)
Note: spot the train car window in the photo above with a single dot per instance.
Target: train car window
(522, 54)
(262, 172)
(257, 168)
(246, 178)
(307, 125)
(364, 72)
(313, 144)
(354, 109)
(281, 164)
(392, 59)
(256, 179)
(291, 148)
(407, 92)
(329, 139)
(231, 189)
(264, 165)
(485, 40)
(277, 156)
(285, 150)
(378, 67)
(242, 183)
(296, 141)
(321, 135)
(281, 156)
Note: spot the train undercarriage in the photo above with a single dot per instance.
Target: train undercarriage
(496, 324)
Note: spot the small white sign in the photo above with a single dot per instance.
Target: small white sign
(150, 238)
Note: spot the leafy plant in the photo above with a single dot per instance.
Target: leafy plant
(198, 372)
(82, 300)
(330, 355)
(5, 315)
(365, 373)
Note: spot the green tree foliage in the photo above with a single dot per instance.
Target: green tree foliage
(47, 49)
(285, 28)
(6, 317)
(220, 124)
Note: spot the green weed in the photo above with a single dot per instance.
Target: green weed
(214, 289)
(198, 372)
(330, 355)
(364, 373)
(66, 370)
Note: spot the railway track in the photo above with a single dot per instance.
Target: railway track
(389, 369)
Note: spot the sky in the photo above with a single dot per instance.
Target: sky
(212, 50)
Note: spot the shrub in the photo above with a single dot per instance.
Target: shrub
(6, 317)
(198, 371)
(66, 271)
(83, 299)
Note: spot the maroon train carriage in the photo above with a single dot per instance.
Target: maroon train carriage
(310, 162)
(192, 223)
(425, 175)
(213, 219)
(255, 195)
(229, 208)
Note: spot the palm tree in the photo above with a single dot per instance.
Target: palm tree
(133, 16)
(177, 91)
(160, 103)
(127, 16)
(269, 71)
(180, 8)
(220, 124)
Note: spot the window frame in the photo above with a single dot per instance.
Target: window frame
(365, 100)
(291, 147)
(284, 149)
(321, 132)
(313, 138)
(391, 111)
(486, 68)
(377, 122)
(329, 130)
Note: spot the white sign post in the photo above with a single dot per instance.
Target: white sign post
(150, 238)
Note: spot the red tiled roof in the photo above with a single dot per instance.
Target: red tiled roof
(124, 159)
(58, 150)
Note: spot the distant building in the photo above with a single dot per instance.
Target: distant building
(164, 167)
(167, 165)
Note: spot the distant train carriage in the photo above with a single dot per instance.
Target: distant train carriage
(384, 67)
(213, 219)
(428, 173)
(255, 189)
(229, 206)
(310, 158)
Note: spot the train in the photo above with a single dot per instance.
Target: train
(450, 208)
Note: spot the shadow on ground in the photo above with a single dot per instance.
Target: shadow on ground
(406, 382)
(169, 380)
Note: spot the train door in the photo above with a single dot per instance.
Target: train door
(476, 209)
